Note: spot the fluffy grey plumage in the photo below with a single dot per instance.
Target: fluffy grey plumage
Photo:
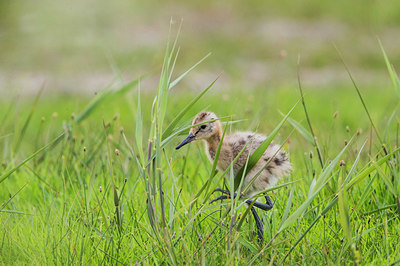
(232, 144)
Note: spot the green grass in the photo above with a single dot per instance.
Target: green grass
(112, 189)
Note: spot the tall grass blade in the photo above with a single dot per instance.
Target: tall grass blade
(214, 166)
(139, 128)
(28, 119)
(304, 132)
(173, 67)
(206, 184)
(343, 211)
(360, 96)
(366, 193)
(333, 202)
(358, 178)
(113, 183)
(6, 114)
(307, 116)
(389, 121)
(393, 74)
(249, 184)
(386, 179)
(321, 181)
(353, 168)
(324, 211)
(108, 95)
(256, 155)
(179, 116)
(177, 80)
(3, 205)
(8, 173)
(288, 205)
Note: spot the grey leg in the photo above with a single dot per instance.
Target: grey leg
(263, 206)
(259, 224)
(260, 205)
(268, 200)
(220, 198)
(222, 191)
(226, 196)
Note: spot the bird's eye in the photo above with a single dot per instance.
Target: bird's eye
(203, 126)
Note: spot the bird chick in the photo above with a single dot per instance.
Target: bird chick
(278, 163)
(232, 144)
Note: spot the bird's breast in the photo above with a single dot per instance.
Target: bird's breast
(224, 159)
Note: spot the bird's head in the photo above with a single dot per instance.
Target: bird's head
(204, 131)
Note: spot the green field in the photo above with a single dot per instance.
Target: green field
(80, 183)
(93, 104)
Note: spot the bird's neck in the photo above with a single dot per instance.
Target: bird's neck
(212, 145)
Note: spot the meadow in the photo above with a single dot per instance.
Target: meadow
(93, 181)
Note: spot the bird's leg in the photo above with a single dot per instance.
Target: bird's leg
(263, 206)
(220, 198)
(260, 205)
(226, 196)
(259, 224)
(222, 191)
(269, 201)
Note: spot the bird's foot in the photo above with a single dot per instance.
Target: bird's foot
(227, 195)
(222, 191)
(268, 201)
(263, 206)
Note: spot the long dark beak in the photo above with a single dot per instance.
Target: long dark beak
(188, 139)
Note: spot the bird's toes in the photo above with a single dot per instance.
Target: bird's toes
(222, 191)
(220, 198)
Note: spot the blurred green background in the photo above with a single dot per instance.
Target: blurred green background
(74, 49)
(80, 46)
